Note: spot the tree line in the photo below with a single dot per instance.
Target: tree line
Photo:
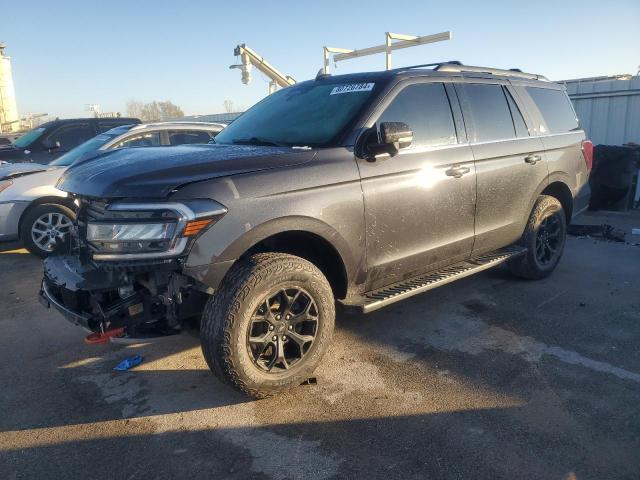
(154, 111)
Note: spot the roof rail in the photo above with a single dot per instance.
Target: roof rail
(514, 72)
(435, 65)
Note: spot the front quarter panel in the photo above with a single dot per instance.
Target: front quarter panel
(34, 186)
(322, 196)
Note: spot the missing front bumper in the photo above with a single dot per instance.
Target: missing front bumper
(101, 299)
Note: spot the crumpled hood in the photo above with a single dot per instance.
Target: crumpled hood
(156, 171)
(13, 170)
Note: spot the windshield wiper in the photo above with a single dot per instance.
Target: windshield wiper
(257, 141)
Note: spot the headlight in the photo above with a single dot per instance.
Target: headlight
(131, 237)
(154, 230)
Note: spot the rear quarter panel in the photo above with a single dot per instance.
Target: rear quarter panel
(563, 153)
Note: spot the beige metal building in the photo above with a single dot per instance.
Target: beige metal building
(9, 120)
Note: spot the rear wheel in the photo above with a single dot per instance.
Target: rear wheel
(269, 325)
(544, 237)
(44, 225)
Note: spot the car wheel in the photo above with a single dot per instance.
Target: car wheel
(544, 237)
(43, 225)
(268, 326)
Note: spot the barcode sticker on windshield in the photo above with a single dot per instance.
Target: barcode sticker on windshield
(352, 87)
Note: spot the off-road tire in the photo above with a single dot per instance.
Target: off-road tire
(528, 266)
(31, 216)
(227, 315)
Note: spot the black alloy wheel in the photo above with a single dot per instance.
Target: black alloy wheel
(282, 329)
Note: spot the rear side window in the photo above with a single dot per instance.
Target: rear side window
(182, 137)
(425, 108)
(489, 110)
(556, 109)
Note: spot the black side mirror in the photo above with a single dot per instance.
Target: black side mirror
(51, 145)
(393, 137)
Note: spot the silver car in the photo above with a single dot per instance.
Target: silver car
(34, 211)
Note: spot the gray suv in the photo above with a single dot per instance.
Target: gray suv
(363, 189)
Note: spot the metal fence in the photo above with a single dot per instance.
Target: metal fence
(608, 107)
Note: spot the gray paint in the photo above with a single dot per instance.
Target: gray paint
(608, 108)
(399, 216)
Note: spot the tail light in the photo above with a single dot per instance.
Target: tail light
(587, 152)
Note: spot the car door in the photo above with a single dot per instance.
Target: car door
(419, 204)
(509, 159)
(68, 135)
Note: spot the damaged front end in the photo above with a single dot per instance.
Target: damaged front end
(122, 266)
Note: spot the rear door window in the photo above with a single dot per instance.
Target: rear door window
(72, 135)
(146, 139)
(488, 108)
(425, 108)
(182, 137)
(556, 109)
(104, 126)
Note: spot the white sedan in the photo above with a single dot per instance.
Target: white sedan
(34, 211)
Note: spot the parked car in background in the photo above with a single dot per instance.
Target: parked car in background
(33, 210)
(7, 139)
(52, 139)
(365, 188)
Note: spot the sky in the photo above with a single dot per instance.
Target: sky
(68, 53)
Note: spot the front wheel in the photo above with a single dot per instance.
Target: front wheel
(544, 237)
(269, 325)
(43, 226)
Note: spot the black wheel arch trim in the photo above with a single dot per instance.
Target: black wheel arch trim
(212, 274)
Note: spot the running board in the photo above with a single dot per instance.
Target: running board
(384, 296)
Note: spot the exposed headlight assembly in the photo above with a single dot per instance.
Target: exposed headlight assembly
(135, 231)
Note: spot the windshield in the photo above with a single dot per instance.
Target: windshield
(84, 149)
(29, 137)
(308, 114)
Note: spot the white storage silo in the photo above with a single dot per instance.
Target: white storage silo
(8, 108)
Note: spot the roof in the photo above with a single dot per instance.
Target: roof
(178, 124)
(122, 120)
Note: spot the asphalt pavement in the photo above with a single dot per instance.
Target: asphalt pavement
(487, 378)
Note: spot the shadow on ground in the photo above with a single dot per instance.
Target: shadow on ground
(485, 378)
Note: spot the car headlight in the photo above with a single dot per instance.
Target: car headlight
(131, 237)
(129, 231)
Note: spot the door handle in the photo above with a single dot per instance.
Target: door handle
(532, 159)
(457, 171)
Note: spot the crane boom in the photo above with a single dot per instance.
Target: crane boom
(249, 58)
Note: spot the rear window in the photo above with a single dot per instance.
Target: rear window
(556, 109)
